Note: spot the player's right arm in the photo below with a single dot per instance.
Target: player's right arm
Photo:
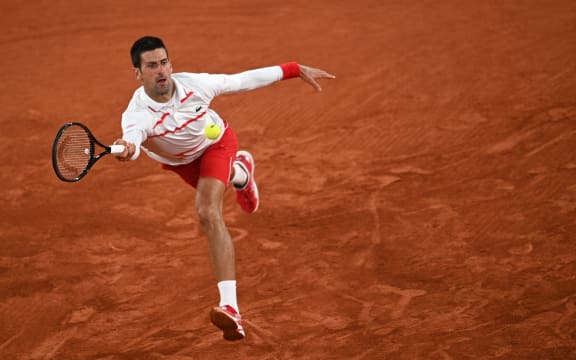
(133, 134)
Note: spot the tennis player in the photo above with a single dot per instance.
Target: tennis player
(167, 117)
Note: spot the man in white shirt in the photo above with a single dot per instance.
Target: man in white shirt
(169, 118)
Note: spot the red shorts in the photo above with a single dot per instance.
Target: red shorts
(216, 162)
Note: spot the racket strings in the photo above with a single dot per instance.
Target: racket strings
(73, 152)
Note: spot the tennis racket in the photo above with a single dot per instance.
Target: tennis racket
(74, 151)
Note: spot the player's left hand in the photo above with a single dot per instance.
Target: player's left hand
(310, 74)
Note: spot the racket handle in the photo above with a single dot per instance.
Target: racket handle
(116, 149)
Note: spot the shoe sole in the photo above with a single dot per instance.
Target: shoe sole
(225, 323)
(249, 156)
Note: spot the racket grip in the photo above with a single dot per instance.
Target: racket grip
(116, 149)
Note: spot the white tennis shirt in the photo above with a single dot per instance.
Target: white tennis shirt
(173, 132)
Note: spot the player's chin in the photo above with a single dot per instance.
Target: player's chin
(162, 90)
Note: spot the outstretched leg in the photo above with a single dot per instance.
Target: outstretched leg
(209, 199)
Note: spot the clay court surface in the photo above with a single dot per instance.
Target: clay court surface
(421, 207)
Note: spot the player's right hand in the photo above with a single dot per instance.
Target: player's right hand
(129, 150)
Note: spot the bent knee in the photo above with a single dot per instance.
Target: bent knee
(208, 214)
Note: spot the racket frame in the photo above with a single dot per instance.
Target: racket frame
(93, 157)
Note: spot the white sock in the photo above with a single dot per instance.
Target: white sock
(240, 176)
(227, 289)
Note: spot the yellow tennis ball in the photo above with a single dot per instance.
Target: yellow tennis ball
(212, 131)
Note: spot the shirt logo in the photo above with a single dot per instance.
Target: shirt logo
(198, 108)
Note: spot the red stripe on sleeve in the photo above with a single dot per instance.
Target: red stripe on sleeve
(290, 70)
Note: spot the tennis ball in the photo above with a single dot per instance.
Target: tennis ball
(212, 131)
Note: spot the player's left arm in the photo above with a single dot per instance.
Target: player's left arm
(253, 79)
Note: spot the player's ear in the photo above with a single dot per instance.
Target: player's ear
(138, 74)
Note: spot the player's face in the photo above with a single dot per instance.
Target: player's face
(155, 73)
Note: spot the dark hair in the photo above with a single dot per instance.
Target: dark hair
(146, 43)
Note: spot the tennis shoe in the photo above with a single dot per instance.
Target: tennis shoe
(227, 319)
(247, 196)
